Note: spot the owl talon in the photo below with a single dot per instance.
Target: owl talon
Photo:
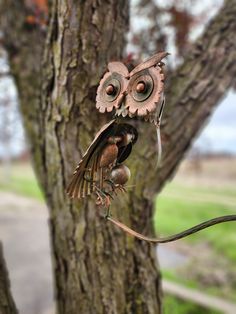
(121, 188)
(124, 189)
(116, 187)
(103, 197)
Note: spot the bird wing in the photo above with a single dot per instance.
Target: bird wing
(124, 152)
(88, 170)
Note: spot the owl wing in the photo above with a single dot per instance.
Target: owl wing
(88, 170)
(125, 151)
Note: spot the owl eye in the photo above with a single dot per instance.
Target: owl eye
(144, 91)
(141, 87)
(111, 87)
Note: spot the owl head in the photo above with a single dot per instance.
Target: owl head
(138, 93)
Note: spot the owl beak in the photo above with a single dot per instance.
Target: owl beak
(120, 100)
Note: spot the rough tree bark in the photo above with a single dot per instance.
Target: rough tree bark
(7, 305)
(98, 269)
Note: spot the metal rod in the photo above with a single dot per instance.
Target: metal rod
(183, 234)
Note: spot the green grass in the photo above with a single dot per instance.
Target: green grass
(175, 214)
(22, 181)
(172, 305)
(172, 276)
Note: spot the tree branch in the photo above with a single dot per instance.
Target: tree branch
(7, 304)
(196, 89)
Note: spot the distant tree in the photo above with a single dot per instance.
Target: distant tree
(11, 130)
(57, 56)
(170, 24)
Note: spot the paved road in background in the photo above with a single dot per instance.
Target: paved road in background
(25, 237)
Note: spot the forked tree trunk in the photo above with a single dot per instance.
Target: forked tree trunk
(98, 269)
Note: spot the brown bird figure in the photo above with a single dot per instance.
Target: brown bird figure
(138, 93)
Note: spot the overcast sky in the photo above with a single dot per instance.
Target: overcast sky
(220, 132)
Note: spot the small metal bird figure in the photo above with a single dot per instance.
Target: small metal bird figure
(135, 94)
(101, 170)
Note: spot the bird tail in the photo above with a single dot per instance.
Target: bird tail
(158, 130)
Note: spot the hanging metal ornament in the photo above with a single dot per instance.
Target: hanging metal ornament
(140, 94)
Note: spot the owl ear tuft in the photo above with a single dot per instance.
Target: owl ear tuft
(154, 60)
(118, 67)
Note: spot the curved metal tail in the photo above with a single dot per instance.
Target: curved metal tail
(183, 234)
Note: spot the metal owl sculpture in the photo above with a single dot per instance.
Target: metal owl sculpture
(138, 93)
(135, 94)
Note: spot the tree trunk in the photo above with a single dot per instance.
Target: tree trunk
(7, 305)
(98, 269)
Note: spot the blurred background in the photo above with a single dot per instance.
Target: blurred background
(199, 273)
